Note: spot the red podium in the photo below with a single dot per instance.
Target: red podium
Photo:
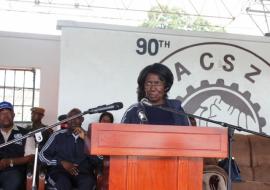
(152, 157)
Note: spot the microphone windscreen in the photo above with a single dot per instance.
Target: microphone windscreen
(146, 102)
(118, 105)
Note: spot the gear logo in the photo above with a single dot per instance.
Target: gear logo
(223, 82)
(217, 102)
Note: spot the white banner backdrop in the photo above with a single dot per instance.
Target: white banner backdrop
(218, 76)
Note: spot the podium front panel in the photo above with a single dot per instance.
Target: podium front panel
(155, 173)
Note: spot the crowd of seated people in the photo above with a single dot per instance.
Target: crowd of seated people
(62, 153)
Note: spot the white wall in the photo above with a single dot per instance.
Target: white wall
(19, 50)
(101, 64)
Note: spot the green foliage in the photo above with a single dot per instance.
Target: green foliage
(174, 18)
(200, 24)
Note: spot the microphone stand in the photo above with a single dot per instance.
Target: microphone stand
(231, 129)
(38, 138)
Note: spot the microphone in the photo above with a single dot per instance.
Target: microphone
(146, 102)
(141, 112)
(142, 116)
(103, 108)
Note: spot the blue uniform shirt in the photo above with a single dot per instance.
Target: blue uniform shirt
(156, 116)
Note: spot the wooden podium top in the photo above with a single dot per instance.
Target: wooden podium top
(157, 140)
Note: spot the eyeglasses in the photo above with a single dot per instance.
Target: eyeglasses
(149, 84)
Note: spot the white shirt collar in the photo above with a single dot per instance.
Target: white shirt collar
(6, 135)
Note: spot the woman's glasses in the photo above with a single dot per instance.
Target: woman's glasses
(149, 84)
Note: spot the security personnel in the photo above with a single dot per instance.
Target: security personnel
(13, 157)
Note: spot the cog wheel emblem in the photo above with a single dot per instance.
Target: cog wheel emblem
(223, 103)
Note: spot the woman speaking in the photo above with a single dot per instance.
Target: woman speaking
(154, 83)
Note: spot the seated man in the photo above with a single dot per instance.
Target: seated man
(13, 157)
(65, 154)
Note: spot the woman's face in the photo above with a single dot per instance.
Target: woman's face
(154, 89)
(105, 119)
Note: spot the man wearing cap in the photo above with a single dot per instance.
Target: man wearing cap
(37, 114)
(13, 157)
